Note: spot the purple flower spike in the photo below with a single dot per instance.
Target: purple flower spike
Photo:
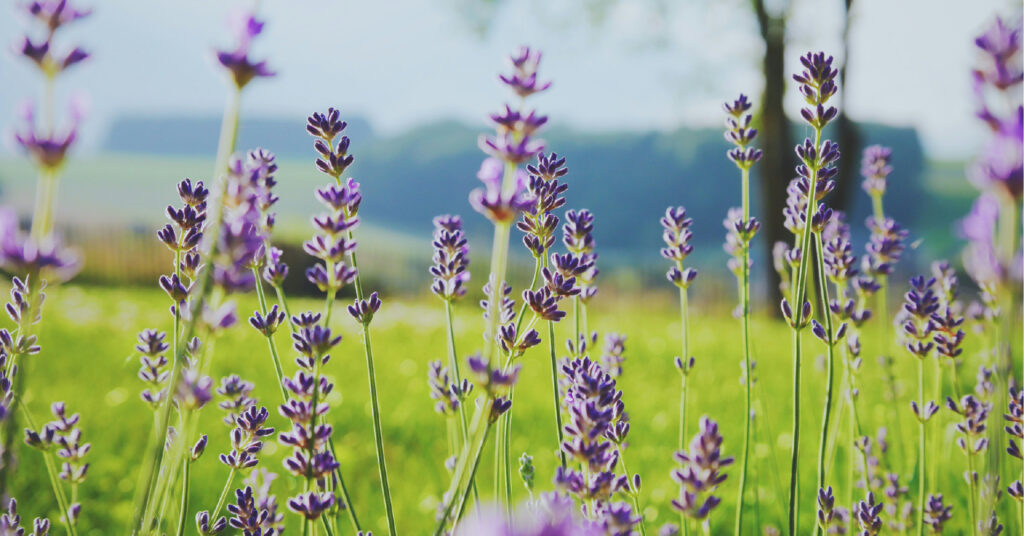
(867, 514)
(363, 310)
(237, 62)
(55, 13)
(936, 513)
(47, 150)
(311, 505)
(701, 472)
(740, 133)
(523, 79)
(493, 201)
(451, 258)
(875, 168)
(205, 528)
(333, 158)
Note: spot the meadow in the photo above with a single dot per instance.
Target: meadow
(836, 404)
(90, 346)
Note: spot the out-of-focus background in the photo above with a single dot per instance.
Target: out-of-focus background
(636, 108)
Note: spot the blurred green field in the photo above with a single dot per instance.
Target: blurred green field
(87, 360)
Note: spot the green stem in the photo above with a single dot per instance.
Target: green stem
(506, 454)
(453, 359)
(799, 296)
(922, 453)
(223, 494)
(830, 357)
(46, 195)
(745, 298)
(184, 496)
(634, 493)
(684, 327)
(154, 458)
(554, 390)
(270, 337)
(51, 473)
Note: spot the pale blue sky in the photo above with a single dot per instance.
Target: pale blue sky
(405, 62)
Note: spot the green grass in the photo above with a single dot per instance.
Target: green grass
(88, 361)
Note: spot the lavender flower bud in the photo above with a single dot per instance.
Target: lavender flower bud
(363, 310)
(204, 527)
(701, 471)
(237, 62)
(866, 512)
(198, 448)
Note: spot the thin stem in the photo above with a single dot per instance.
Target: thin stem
(453, 359)
(506, 454)
(270, 336)
(634, 493)
(745, 299)
(830, 356)
(154, 459)
(42, 214)
(224, 494)
(684, 327)
(922, 453)
(554, 390)
(51, 473)
(184, 496)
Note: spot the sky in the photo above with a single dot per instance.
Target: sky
(628, 65)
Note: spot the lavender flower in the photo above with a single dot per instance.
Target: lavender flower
(246, 438)
(936, 513)
(48, 149)
(866, 512)
(523, 79)
(260, 481)
(333, 157)
(498, 203)
(875, 168)
(921, 304)
(594, 406)
(237, 62)
(677, 237)
(701, 472)
(885, 247)
(10, 522)
(897, 508)
(578, 237)
(205, 528)
(154, 372)
(553, 515)
(1015, 429)
(451, 258)
(247, 516)
(613, 358)
(43, 260)
(740, 133)
(972, 429)
(996, 80)
(539, 223)
(246, 221)
(448, 394)
(331, 244)
(309, 458)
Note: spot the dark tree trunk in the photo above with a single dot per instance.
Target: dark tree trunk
(847, 133)
(776, 167)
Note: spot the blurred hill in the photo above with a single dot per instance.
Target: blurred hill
(627, 178)
(113, 201)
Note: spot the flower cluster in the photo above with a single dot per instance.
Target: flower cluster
(875, 167)
(41, 261)
(739, 233)
(597, 425)
(885, 247)
(539, 222)
(260, 481)
(866, 512)
(676, 234)
(237, 62)
(504, 194)
(451, 258)
(247, 516)
(310, 459)
(183, 236)
(972, 428)
(448, 393)
(246, 438)
(154, 373)
(936, 513)
(1015, 429)
(45, 145)
(246, 222)
(613, 358)
(996, 81)
(65, 437)
(701, 472)
(739, 133)
(333, 239)
(10, 522)
(578, 237)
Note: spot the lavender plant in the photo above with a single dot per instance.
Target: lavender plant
(805, 217)
(242, 70)
(501, 200)
(700, 474)
(742, 229)
(676, 234)
(335, 244)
